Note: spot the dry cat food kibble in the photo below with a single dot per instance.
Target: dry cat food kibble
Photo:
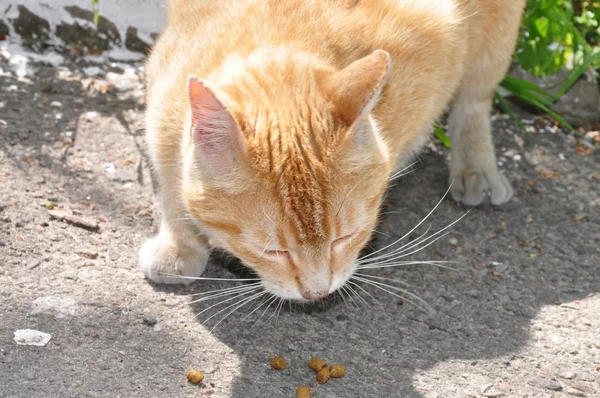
(195, 376)
(323, 376)
(337, 371)
(317, 364)
(303, 392)
(278, 363)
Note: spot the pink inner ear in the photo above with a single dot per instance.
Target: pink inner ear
(212, 125)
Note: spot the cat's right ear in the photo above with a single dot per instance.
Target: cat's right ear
(217, 139)
(354, 90)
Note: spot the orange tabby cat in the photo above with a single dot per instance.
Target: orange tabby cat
(274, 126)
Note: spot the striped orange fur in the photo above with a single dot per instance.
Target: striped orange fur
(274, 126)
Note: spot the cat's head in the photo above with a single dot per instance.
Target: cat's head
(284, 168)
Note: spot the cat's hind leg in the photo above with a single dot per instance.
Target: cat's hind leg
(473, 170)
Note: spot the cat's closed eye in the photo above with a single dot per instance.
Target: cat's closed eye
(340, 243)
(276, 254)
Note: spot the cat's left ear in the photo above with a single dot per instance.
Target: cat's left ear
(216, 136)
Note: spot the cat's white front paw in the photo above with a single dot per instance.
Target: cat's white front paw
(472, 186)
(162, 260)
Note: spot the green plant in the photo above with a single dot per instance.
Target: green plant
(555, 34)
(95, 8)
(441, 135)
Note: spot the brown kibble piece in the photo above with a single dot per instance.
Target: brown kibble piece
(195, 376)
(303, 392)
(337, 371)
(278, 363)
(323, 376)
(317, 364)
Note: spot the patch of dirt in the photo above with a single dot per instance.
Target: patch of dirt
(518, 317)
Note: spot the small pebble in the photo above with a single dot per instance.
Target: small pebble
(453, 241)
(574, 392)
(149, 320)
(113, 255)
(34, 264)
(547, 384)
(567, 375)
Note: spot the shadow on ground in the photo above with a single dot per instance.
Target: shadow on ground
(511, 262)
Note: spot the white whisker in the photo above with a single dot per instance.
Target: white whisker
(279, 310)
(344, 200)
(380, 233)
(385, 288)
(414, 228)
(219, 290)
(396, 250)
(199, 278)
(420, 241)
(257, 308)
(244, 293)
(392, 264)
(240, 305)
(361, 288)
(344, 288)
(400, 173)
(341, 293)
(223, 294)
(276, 307)
(265, 248)
(383, 278)
(358, 296)
(418, 249)
(271, 301)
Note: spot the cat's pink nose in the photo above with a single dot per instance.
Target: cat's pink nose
(314, 295)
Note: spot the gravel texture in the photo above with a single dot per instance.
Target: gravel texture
(518, 317)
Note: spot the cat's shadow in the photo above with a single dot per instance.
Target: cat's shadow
(386, 343)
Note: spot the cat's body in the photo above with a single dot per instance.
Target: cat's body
(288, 140)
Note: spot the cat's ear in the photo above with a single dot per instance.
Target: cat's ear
(217, 139)
(354, 90)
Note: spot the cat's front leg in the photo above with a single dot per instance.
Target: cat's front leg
(175, 256)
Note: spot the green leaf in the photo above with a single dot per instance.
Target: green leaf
(506, 108)
(96, 12)
(441, 135)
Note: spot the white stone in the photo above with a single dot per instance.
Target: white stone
(92, 71)
(31, 337)
(60, 307)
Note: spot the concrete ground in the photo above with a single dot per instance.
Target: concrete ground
(518, 317)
